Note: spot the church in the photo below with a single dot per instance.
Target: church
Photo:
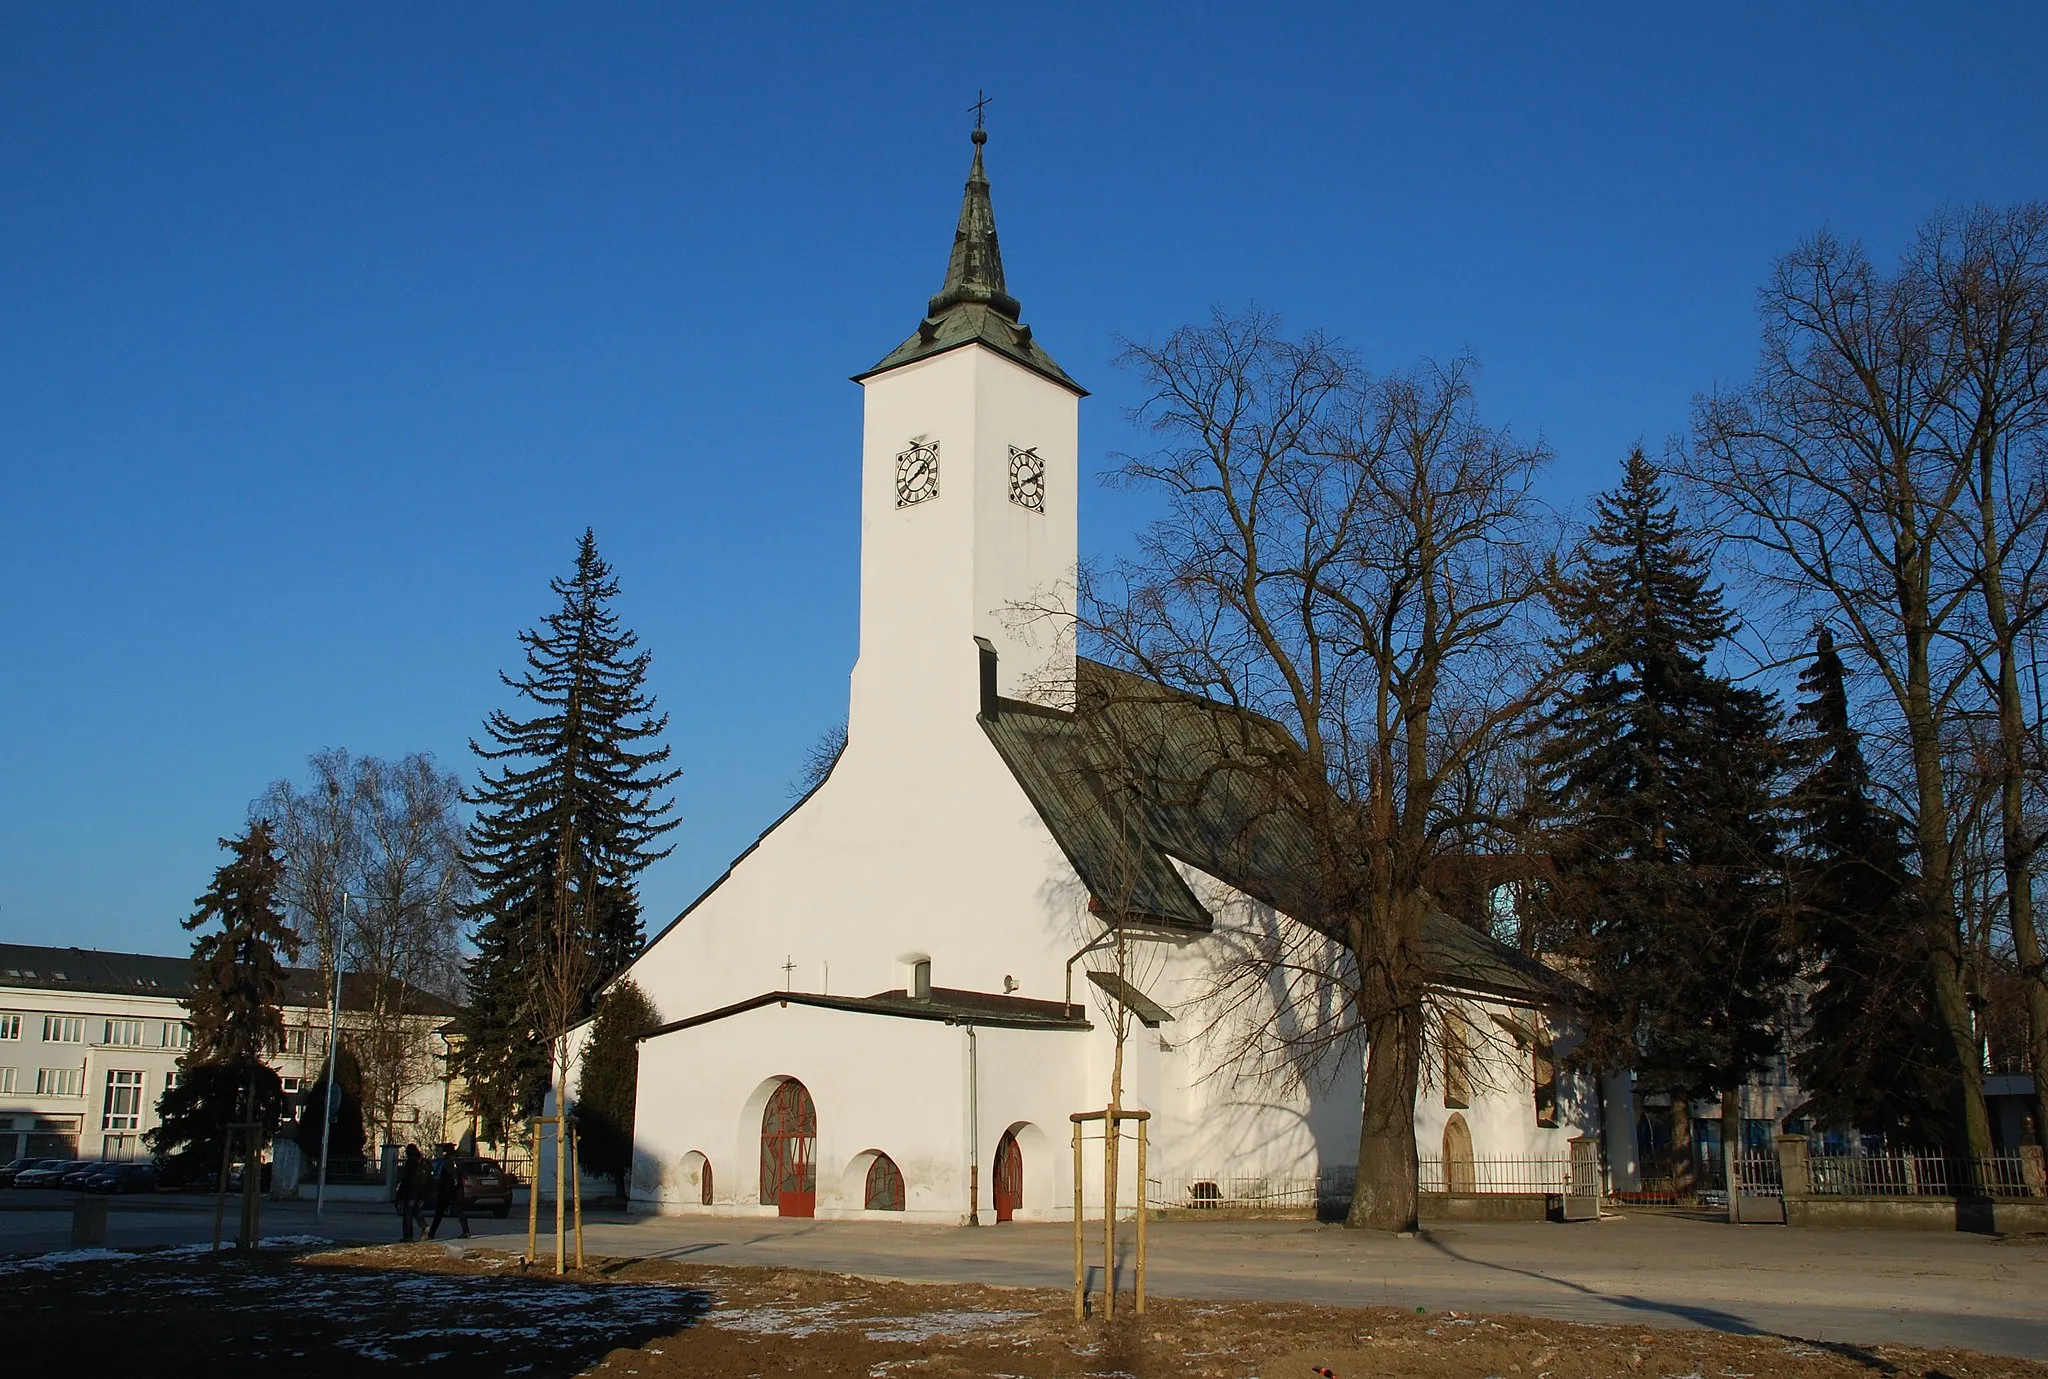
(889, 1006)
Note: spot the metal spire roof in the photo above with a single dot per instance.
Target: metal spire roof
(973, 306)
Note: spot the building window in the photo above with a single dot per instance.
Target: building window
(122, 1034)
(63, 1029)
(176, 1035)
(124, 1100)
(10, 1027)
(1544, 1066)
(1457, 1062)
(171, 1079)
(60, 1082)
(921, 979)
(6, 1082)
(117, 1149)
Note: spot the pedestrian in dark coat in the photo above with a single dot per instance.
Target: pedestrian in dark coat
(448, 1193)
(413, 1188)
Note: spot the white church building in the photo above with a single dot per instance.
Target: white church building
(890, 1005)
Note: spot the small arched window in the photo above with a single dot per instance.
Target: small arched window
(921, 979)
(885, 1185)
(704, 1187)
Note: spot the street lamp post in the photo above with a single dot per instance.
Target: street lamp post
(333, 1092)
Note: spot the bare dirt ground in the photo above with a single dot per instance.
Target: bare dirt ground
(424, 1308)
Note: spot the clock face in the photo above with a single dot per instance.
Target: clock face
(917, 473)
(1027, 479)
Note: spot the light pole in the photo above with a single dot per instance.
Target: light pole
(333, 1092)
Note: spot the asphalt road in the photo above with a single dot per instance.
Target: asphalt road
(1938, 1289)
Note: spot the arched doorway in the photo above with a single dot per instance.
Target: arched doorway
(789, 1151)
(1458, 1172)
(884, 1185)
(1009, 1179)
(697, 1177)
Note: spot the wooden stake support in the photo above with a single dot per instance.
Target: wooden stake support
(1112, 1138)
(568, 1218)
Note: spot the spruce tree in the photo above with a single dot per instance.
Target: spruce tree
(562, 828)
(238, 972)
(608, 1090)
(1658, 782)
(1868, 1056)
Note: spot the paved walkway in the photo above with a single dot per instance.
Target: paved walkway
(1932, 1288)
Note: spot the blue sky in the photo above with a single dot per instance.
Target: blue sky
(328, 328)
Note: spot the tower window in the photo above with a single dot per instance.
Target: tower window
(921, 979)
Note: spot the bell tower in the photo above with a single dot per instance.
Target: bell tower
(969, 484)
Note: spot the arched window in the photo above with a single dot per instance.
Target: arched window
(704, 1188)
(789, 1150)
(1457, 1061)
(885, 1185)
(1459, 1174)
(921, 979)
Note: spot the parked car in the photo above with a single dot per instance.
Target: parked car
(124, 1178)
(77, 1178)
(485, 1186)
(262, 1182)
(49, 1173)
(13, 1170)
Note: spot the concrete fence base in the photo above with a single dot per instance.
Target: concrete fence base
(1487, 1206)
(1989, 1215)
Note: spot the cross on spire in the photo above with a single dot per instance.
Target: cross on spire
(980, 105)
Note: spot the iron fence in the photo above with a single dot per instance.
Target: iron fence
(1484, 1176)
(1759, 1173)
(1914, 1174)
(1233, 1194)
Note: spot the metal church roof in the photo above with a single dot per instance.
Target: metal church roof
(1140, 776)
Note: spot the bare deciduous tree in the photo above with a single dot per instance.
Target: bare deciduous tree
(387, 833)
(1882, 469)
(1357, 559)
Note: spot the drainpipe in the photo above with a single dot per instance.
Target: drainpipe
(1106, 940)
(973, 1131)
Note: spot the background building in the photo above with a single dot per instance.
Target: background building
(89, 1041)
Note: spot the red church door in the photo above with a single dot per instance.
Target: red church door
(789, 1151)
(1009, 1176)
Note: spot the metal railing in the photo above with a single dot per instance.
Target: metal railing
(1493, 1175)
(1915, 1174)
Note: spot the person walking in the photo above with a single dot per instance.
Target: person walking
(448, 1193)
(411, 1196)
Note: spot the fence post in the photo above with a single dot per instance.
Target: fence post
(2033, 1171)
(1795, 1177)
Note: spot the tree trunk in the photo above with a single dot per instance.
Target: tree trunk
(1385, 1196)
(2016, 853)
(1681, 1145)
(1731, 1145)
(1942, 938)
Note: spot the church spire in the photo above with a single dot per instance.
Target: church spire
(974, 273)
(974, 306)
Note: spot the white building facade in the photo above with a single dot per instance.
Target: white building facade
(885, 1008)
(91, 1040)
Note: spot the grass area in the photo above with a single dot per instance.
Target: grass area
(424, 1308)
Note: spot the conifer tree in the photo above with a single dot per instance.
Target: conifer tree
(562, 828)
(1868, 1057)
(238, 973)
(608, 1091)
(1658, 778)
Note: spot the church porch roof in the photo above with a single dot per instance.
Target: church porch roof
(948, 1005)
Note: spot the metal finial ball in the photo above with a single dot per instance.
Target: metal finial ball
(980, 136)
